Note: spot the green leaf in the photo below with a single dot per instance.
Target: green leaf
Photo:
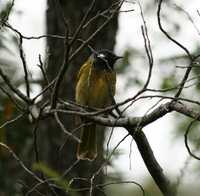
(168, 82)
(55, 176)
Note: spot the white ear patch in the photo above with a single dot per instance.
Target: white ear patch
(101, 55)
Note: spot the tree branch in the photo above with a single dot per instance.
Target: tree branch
(151, 163)
(121, 122)
(15, 90)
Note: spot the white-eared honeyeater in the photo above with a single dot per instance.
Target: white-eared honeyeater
(95, 88)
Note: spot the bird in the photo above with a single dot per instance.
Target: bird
(95, 88)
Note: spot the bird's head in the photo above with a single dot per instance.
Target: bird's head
(105, 59)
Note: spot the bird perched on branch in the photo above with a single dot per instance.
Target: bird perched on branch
(95, 88)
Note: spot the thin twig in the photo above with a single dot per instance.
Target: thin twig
(189, 18)
(22, 57)
(64, 129)
(72, 132)
(25, 67)
(76, 52)
(35, 141)
(166, 34)
(20, 162)
(11, 121)
(101, 14)
(103, 164)
(15, 90)
(63, 68)
(42, 68)
(183, 170)
(186, 138)
(70, 168)
(28, 187)
(123, 182)
(188, 70)
(78, 30)
(19, 107)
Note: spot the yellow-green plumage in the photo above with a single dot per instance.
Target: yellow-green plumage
(95, 88)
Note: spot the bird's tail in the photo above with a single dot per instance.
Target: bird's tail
(87, 149)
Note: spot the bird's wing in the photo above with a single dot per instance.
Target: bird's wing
(85, 66)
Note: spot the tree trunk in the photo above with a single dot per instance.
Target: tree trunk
(74, 11)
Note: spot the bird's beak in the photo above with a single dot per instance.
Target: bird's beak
(118, 57)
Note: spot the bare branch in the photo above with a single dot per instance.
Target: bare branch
(103, 164)
(15, 90)
(22, 56)
(19, 107)
(11, 121)
(189, 18)
(122, 122)
(183, 170)
(20, 162)
(62, 69)
(122, 182)
(76, 52)
(35, 141)
(191, 58)
(151, 163)
(78, 30)
(41, 65)
(186, 138)
(63, 128)
(167, 35)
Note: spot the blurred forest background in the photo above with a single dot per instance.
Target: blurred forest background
(56, 152)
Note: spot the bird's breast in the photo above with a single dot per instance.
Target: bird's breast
(96, 88)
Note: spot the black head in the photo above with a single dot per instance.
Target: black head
(105, 59)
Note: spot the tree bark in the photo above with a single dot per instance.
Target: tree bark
(151, 163)
(73, 12)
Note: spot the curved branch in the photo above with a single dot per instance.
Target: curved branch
(191, 58)
(12, 88)
(186, 140)
(123, 121)
(151, 163)
(167, 35)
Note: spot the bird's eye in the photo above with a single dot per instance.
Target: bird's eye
(101, 55)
